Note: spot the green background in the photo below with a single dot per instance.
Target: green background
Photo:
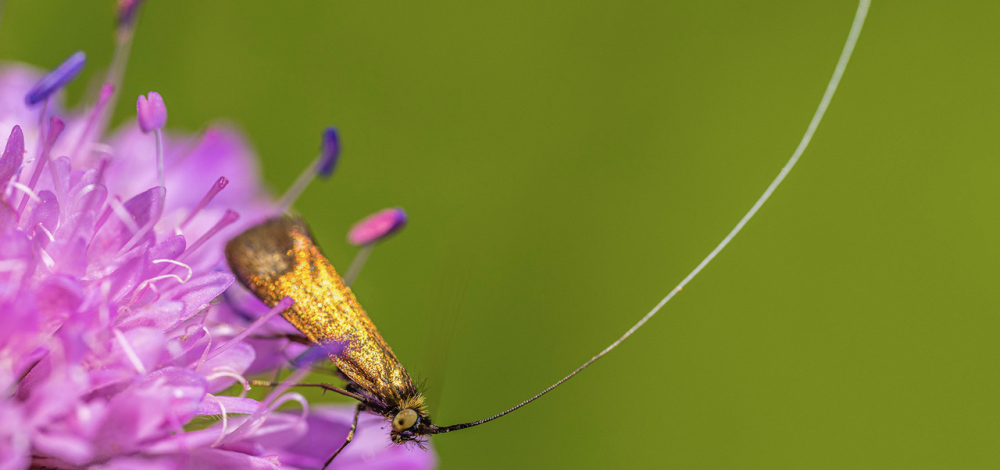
(566, 163)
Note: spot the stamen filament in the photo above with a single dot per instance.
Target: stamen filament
(119, 209)
(56, 127)
(186, 278)
(141, 231)
(101, 166)
(159, 160)
(283, 305)
(228, 218)
(104, 216)
(231, 373)
(116, 72)
(39, 162)
(295, 190)
(219, 185)
(357, 263)
(322, 166)
(129, 352)
(26, 190)
(225, 420)
(254, 421)
(148, 283)
(106, 91)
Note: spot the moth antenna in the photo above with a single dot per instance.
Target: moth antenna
(831, 87)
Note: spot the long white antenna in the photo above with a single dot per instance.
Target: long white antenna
(831, 87)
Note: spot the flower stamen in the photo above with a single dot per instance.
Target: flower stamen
(56, 79)
(219, 185)
(283, 305)
(152, 116)
(254, 421)
(228, 218)
(296, 397)
(26, 190)
(148, 283)
(323, 167)
(137, 235)
(128, 10)
(190, 272)
(106, 92)
(103, 311)
(229, 372)
(55, 128)
(46, 232)
(129, 352)
(47, 260)
(225, 419)
(105, 216)
(118, 208)
(369, 232)
(159, 161)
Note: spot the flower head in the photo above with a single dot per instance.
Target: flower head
(115, 352)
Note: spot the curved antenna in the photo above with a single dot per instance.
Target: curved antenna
(831, 87)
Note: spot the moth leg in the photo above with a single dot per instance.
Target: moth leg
(277, 376)
(350, 435)
(327, 387)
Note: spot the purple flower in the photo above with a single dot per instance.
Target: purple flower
(113, 345)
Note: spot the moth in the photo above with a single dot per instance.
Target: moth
(278, 258)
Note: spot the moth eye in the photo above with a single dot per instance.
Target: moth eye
(404, 420)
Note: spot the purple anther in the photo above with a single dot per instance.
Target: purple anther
(152, 113)
(57, 78)
(377, 226)
(329, 153)
(125, 12)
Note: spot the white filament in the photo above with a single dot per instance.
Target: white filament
(831, 87)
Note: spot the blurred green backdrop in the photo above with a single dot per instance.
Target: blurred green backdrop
(566, 163)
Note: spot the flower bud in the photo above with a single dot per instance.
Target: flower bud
(152, 113)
